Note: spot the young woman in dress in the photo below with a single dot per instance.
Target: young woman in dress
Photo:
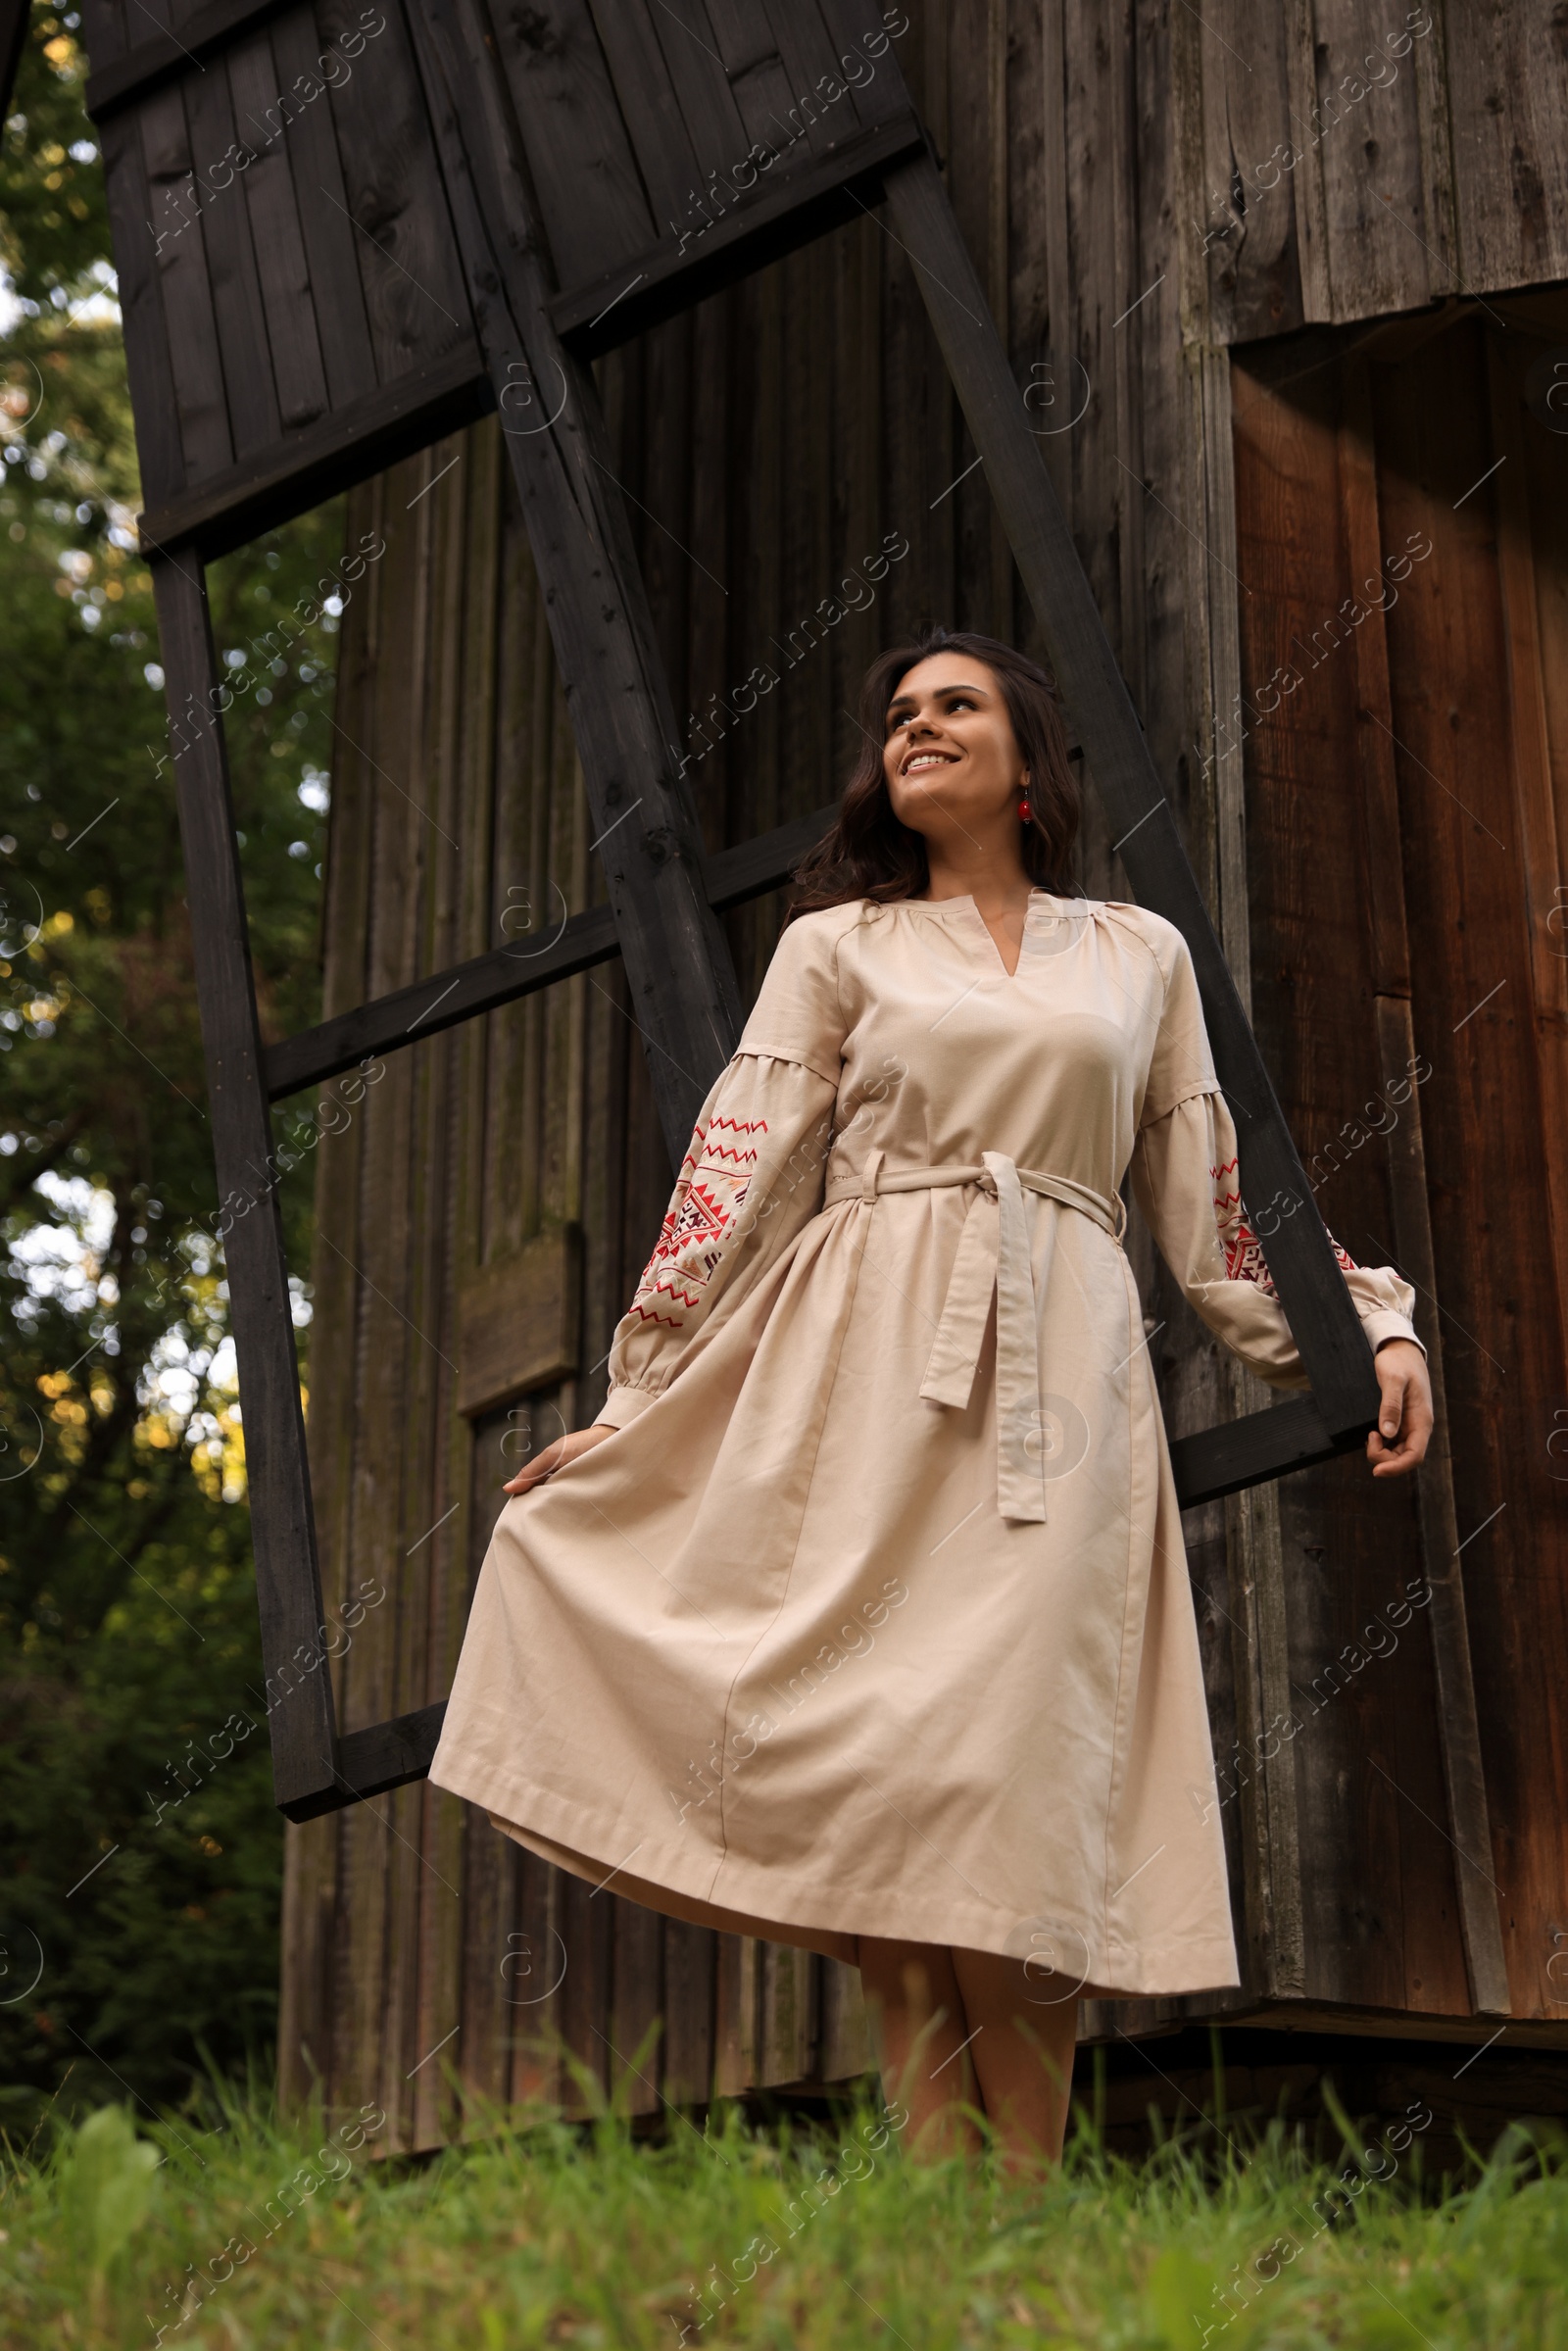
(859, 1619)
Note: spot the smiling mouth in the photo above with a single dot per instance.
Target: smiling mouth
(927, 758)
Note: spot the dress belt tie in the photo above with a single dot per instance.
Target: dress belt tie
(992, 1254)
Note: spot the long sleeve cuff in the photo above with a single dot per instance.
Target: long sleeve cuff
(622, 1406)
(1385, 1324)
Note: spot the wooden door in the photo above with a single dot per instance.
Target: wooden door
(1403, 537)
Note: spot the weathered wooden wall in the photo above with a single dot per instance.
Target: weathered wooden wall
(770, 441)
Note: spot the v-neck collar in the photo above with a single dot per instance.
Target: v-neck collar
(1042, 908)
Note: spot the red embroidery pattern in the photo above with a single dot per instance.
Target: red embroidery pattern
(714, 1178)
(1244, 1253)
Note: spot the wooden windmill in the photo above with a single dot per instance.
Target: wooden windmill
(436, 213)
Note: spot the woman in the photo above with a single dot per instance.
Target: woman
(860, 1618)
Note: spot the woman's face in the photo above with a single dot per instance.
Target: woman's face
(950, 757)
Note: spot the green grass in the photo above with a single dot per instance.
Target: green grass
(541, 2233)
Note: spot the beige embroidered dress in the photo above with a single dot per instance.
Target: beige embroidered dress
(872, 1617)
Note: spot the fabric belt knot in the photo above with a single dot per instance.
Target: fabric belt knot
(994, 1254)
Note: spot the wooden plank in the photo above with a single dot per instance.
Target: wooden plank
(408, 265)
(438, 1456)
(586, 1926)
(224, 509)
(590, 194)
(787, 2015)
(518, 1321)
(1542, 832)
(971, 154)
(216, 224)
(373, 1230)
(1360, 165)
(159, 451)
(1267, 1830)
(1270, 1444)
(329, 234)
(287, 1578)
(649, 283)
(1246, 215)
(688, 2045)
(1510, 125)
(635, 2007)
(660, 140)
(1458, 1719)
(749, 48)
(306, 1954)
(844, 2040)
(1106, 465)
(808, 70)
(692, 84)
(186, 298)
(332, 1419)
(297, 365)
(735, 2002)
(1458, 1725)
(538, 2071)
(1300, 1259)
(464, 1847)
(376, 1758)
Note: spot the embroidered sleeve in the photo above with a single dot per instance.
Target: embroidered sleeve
(1183, 1179)
(709, 1195)
(1245, 1260)
(752, 1174)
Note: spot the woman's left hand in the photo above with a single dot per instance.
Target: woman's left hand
(1405, 1419)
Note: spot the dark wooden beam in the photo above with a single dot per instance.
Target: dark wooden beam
(288, 1584)
(655, 284)
(426, 1006)
(1323, 1319)
(370, 1762)
(1245, 1452)
(684, 996)
(505, 973)
(14, 19)
(301, 470)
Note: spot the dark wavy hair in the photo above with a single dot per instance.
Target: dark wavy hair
(869, 854)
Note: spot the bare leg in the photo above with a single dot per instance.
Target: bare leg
(1024, 2053)
(918, 2029)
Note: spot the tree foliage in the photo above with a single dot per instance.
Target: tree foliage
(127, 1620)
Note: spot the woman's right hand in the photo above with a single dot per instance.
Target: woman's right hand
(555, 1457)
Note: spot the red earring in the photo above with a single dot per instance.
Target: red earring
(1023, 811)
